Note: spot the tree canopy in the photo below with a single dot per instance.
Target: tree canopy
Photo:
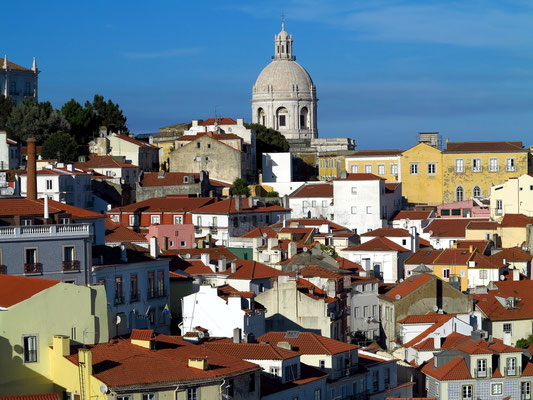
(83, 120)
(268, 141)
(240, 187)
(62, 146)
(108, 113)
(6, 107)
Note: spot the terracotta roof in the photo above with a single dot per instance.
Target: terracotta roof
(451, 371)
(24, 206)
(436, 322)
(165, 204)
(137, 142)
(116, 232)
(119, 363)
(482, 225)
(483, 261)
(248, 269)
(12, 65)
(408, 286)
(220, 121)
(103, 162)
(391, 187)
(378, 244)
(251, 351)
(178, 276)
(226, 291)
(453, 257)
(312, 291)
(261, 232)
(516, 220)
(313, 190)
(46, 396)
(495, 311)
(14, 289)
(307, 342)
(428, 318)
(448, 227)
(346, 264)
(390, 232)
(512, 254)
(311, 222)
(426, 257)
(480, 245)
(213, 135)
(312, 271)
(484, 147)
(197, 267)
(360, 177)
(215, 253)
(423, 243)
(141, 334)
(412, 215)
(271, 385)
(227, 206)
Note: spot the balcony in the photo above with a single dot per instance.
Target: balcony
(33, 268)
(71, 266)
(31, 232)
(152, 294)
(119, 299)
(3, 269)
(483, 373)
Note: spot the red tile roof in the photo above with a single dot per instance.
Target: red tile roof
(387, 232)
(454, 257)
(484, 147)
(14, 289)
(308, 343)
(119, 363)
(46, 396)
(425, 319)
(24, 206)
(480, 245)
(378, 244)
(412, 215)
(367, 153)
(391, 187)
(313, 190)
(423, 256)
(197, 267)
(136, 142)
(261, 232)
(251, 351)
(408, 286)
(116, 232)
(448, 227)
(220, 121)
(312, 291)
(495, 311)
(13, 66)
(226, 291)
(482, 225)
(248, 269)
(271, 385)
(312, 271)
(512, 254)
(227, 206)
(483, 261)
(214, 135)
(451, 371)
(103, 162)
(141, 334)
(165, 204)
(516, 220)
(346, 264)
(360, 177)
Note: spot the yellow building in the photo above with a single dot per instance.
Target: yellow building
(422, 174)
(471, 168)
(483, 230)
(331, 165)
(515, 230)
(383, 163)
(453, 264)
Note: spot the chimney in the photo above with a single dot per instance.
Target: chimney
(238, 204)
(470, 249)
(102, 131)
(154, 251)
(123, 253)
(251, 202)
(436, 342)
(414, 239)
(240, 121)
(205, 258)
(194, 122)
(222, 264)
(31, 169)
(61, 345)
(516, 274)
(85, 365)
(198, 363)
(165, 243)
(344, 175)
(70, 167)
(46, 212)
(237, 335)
(233, 267)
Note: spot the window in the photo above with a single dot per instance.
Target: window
(507, 328)
(64, 221)
(123, 397)
(155, 219)
(13, 87)
(282, 120)
(354, 190)
(160, 283)
(208, 145)
(151, 283)
(251, 383)
(318, 394)
(356, 312)
(459, 165)
(481, 368)
(313, 203)
(413, 168)
(459, 193)
(432, 168)
(119, 299)
(354, 210)
(482, 274)
(324, 203)
(192, 394)
(375, 311)
(115, 218)
(510, 165)
(322, 363)
(29, 343)
(445, 212)
(446, 273)
(30, 256)
(148, 396)
(178, 219)
(477, 191)
(365, 312)
(499, 206)
(394, 169)
(68, 253)
(230, 388)
(493, 165)
(49, 184)
(381, 169)
(197, 145)
(387, 377)
(274, 371)
(525, 390)
(134, 287)
(511, 366)
(354, 168)
(134, 220)
(476, 165)
(375, 380)
(467, 392)
(291, 372)
(369, 209)
(368, 168)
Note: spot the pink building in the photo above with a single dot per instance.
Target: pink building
(475, 208)
(172, 236)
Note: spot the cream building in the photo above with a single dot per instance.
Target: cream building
(284, 95)
(514, 196)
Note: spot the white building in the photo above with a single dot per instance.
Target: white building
(401, 237)
(514, 196)
(284, 95)
(65, 184)
(17, 82)
(364, 202)
(116, 171)
(9, 152)
(277, 167)
(223, 125)
(220, 310)
(312, 200)
(418, 219)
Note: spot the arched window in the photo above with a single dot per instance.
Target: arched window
(459, 193)
(304, 114)
(261, 116)
(282, 117)
(477, 191)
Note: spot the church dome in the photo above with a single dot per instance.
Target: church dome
(283, 76)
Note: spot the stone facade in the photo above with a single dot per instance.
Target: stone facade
(17, 82)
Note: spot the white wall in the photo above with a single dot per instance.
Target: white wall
(317, 206)
(277, 167)
(388, 261)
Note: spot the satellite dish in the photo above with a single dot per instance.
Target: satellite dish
(435, 308)
(195, 245)
(401, 280)
(305, 249)
(104, 389)
(188, 255)
(397, 297)
(265, 235)
(502, 277)
(117, 321)
(9, 191)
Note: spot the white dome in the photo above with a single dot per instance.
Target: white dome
(283, 76)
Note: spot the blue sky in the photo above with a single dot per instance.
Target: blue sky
(384, 70)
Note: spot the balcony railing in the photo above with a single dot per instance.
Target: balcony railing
(482, 373)
(3, 270)
(71, 266)
(157, 293)
(33, 231)
(33, 268)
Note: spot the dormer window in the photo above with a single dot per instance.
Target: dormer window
(481, 368)
(511, 366)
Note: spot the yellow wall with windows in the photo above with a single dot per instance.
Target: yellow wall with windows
(455, 270)
(382, 167)
(485, 177)
(165, 148)
(330, 167)
(422, 186)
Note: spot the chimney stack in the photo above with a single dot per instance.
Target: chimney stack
(154, 251)
(31, 169)
(46, 212)
(237, 335)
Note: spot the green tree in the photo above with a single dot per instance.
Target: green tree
(6, 107)
(268, 141)
(240, 187)
(38, 120)
(83, 120)
(108, 114)
(524, 343)
(272, 194)
(62, 146)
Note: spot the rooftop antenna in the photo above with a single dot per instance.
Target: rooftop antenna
(282, 21)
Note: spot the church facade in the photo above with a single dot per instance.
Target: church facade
(17, 82)
(284, 95)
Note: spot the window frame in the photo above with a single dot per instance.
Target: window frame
(24, 350)
(414, 168)
(508, 167)
(496, 384)
(476, 165)
(494, 164)
(460, 165)
(432, 165)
